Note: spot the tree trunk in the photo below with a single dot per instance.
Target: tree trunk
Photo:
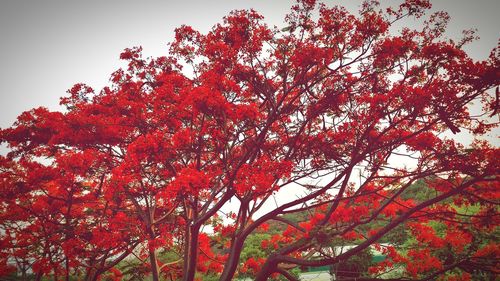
(90, 276)
(154, 264)
(191, 252)
(236, 246)
(23, 273)
(67, 269)
(152, 253)
(38, 276)
(233, 260)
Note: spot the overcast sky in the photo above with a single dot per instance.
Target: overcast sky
(47, 46)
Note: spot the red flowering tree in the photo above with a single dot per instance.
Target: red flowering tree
(245, 112)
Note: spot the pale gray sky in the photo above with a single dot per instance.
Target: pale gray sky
(47, 46)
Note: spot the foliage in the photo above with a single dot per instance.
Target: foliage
(246, 112)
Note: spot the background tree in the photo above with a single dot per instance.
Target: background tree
(244, 112)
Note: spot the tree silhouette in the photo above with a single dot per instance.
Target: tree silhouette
(245, 112)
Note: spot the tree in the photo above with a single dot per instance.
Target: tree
(242, 113)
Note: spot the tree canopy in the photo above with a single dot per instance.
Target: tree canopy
(332, 104)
